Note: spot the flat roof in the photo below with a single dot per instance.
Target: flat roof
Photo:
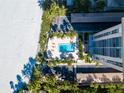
(92, 27)
(96, 17)
(115, 3)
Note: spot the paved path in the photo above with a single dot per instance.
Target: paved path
(19, 32)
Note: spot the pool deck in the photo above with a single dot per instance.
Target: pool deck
(53, 47)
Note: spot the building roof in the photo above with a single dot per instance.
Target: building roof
(115, 3)
(92, 27)
(96, 17)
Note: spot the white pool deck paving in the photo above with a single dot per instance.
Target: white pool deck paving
(19, 34)
(53, 46)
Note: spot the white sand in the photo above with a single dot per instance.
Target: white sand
(19, 33)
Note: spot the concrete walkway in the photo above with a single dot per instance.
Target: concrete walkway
(19, 35)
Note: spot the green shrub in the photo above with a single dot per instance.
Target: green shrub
(100, 4)
(70, 34)
(54, 62)
(80, 47)
(82, 6)
(49, 15)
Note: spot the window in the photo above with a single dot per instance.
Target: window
(109, 47)
(115, 31)
(107, 33)
(115, 63)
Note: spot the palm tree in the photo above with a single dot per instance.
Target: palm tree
(50, 84)
(67, 86)
(82, 6)
(100, 5)
(36, 80)
(55, 10)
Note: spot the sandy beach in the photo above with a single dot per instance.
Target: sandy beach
(19, 34)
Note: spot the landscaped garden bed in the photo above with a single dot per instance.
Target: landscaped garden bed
(48, 16)
(82, 55)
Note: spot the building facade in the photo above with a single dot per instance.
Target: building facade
(107, 47)
(104, 33)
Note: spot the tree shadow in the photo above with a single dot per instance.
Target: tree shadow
(66, 25)
(116, 79)
(41, 3)
(19, 85)
(70, 56)
(62, 27)
(105, 79)
(63, 55)
(27, 69)
(12, 85)
(49, 54)
(46, 70)
(54, 27)
(95, 76)
(89, 79)
(26, 73)
(64, 73)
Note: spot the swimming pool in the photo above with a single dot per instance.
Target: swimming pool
(67, 47)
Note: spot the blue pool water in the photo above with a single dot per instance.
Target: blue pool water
(67, 47)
